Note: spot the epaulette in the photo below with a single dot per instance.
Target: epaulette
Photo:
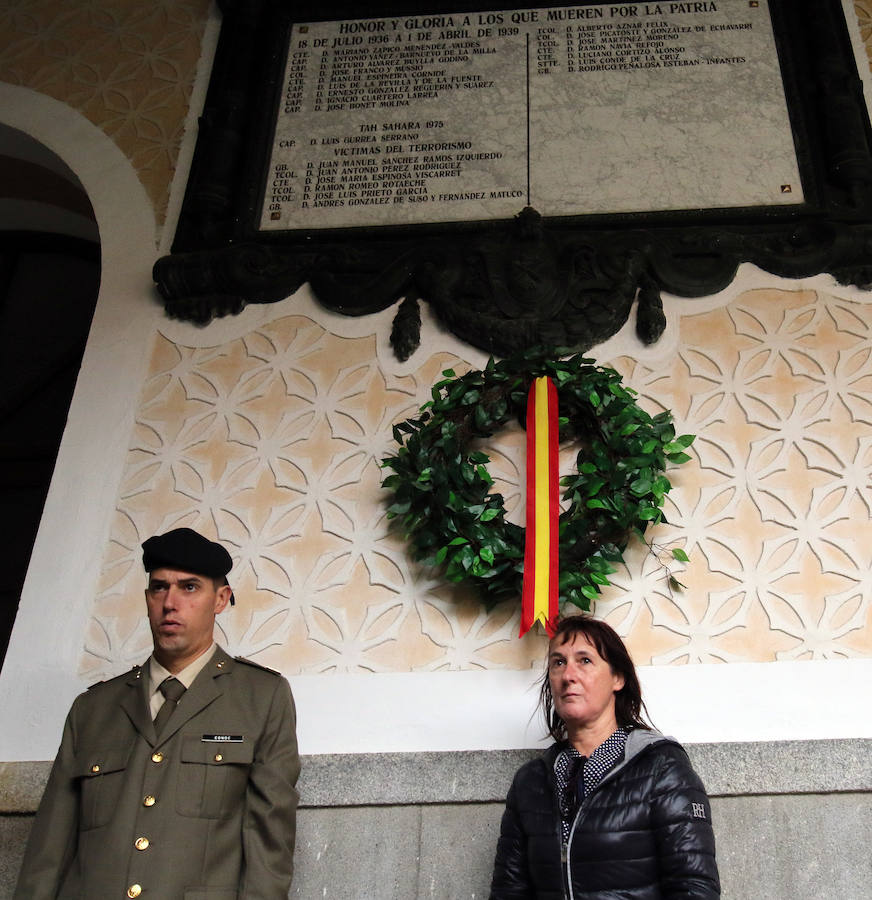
(137, 669)
(248, 662)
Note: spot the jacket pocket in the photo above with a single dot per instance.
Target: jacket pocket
(100, 775)
(212, 777)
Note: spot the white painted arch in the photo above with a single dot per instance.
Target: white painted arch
(39, 673)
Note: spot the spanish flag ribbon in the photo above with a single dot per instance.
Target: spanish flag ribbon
(541, 562)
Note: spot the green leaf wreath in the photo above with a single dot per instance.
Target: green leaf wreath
(442, 491)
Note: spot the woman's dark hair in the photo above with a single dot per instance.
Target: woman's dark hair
(628, 700)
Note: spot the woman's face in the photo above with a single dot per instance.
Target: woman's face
(582, 683)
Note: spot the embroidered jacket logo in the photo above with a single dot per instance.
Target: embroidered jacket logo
(698, 810)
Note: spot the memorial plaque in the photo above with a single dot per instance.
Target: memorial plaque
(575, 111)
(535, 173)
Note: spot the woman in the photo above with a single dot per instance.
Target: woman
(614, 808)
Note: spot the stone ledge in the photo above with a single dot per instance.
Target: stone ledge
(483, 776)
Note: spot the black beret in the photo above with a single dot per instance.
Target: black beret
(185, 549)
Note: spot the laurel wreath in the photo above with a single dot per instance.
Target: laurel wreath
(442, 492)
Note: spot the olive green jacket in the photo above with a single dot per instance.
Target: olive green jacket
(205, 813)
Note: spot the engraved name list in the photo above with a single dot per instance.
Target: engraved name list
(573, 110)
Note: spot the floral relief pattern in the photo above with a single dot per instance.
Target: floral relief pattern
(863, 11)
(272, 443)
(776, 517)
(128, 67)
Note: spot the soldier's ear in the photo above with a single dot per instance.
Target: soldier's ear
(222, 598)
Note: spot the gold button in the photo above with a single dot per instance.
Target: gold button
(219, 665)
(141, 843)
(134, 890)
(218, 757)
(148, 801)
(157, 757)
(95, 769)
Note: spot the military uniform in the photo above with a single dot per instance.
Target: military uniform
(205, 812)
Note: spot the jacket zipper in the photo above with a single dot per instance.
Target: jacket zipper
(564, 850)
(567, 867)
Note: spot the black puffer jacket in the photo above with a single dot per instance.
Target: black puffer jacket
(643, 834)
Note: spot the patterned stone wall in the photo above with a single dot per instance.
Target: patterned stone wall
(272, 443)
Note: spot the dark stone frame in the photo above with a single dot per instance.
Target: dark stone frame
(507, 285)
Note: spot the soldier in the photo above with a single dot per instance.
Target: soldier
(177, 779)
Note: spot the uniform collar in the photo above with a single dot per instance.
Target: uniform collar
(157, 673)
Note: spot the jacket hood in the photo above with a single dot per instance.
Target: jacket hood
(641, 738)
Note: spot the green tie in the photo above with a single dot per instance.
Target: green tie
(172, 689)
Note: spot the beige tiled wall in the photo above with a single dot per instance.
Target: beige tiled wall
(272, 442)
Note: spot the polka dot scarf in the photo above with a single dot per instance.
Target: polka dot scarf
(577, 776)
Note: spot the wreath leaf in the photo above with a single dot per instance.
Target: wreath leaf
(442, 489)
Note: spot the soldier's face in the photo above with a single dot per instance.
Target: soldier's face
(181, 612)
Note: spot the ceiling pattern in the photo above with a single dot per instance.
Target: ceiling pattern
(127, 67)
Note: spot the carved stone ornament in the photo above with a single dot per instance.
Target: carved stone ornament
(510, 284)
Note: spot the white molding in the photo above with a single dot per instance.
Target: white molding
(496, 710)
(39, 674)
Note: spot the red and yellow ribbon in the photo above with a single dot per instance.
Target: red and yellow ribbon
(541, 562)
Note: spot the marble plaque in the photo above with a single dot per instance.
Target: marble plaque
(575, 110)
